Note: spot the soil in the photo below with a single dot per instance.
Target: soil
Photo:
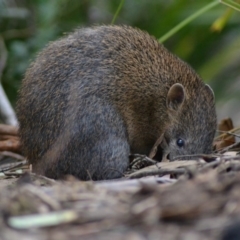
(194, 199)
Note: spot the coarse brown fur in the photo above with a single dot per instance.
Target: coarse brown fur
(97, 95)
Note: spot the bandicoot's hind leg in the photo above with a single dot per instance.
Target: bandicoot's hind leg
(94, 146)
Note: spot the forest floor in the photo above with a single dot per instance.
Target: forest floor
(193, 199)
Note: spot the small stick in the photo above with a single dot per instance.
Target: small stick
(8, 130)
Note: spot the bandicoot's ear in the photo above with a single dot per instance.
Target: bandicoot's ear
(210, 92)
(175, 96)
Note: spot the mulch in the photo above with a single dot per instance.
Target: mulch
(193, 199)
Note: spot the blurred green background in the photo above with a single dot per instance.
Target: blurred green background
(26, 26)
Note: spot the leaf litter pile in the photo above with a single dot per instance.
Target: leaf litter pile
(193, 199)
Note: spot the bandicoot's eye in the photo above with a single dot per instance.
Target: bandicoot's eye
(180, 142)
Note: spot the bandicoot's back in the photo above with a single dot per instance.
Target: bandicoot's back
(99, 94)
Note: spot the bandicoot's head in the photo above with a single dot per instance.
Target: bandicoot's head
(193, 124)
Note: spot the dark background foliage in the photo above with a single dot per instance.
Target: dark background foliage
(26, 26)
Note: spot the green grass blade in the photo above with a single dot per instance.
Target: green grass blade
(188, 20)
(231, 4)
(117, 12)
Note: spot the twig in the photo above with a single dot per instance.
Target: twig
(13, 155)
(227, 133)
(12, 166)
(127, 184)
(8, 130)
(205, 157)
(10, 145)
(6, 110)
(159, 172)
(229, 147)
